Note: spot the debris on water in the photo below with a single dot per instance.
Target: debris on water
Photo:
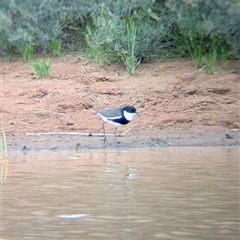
(130, 176)
(73, 216)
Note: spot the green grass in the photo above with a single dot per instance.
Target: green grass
(4, 157)
(96, 53)
(27, 51)
(156, 22)
(7, 57)
(218, 50)
(210, 62)
(3, 144)
(204, 50)
(210, 58)
(194, 45)
(41, 67)
(99, 51)
(224, 50)
(56, 47)
(129, 57)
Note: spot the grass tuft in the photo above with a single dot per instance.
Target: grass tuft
(4, 157)
(56, 47)
(97, 48)
(41, 67)
(129, 57)
(27, 52)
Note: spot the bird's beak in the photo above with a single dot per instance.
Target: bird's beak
(138, 114)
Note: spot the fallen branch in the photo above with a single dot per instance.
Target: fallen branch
(74, 133)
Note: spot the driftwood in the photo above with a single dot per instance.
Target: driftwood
(76, 133)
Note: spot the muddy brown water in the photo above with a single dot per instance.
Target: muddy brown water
(170, 193)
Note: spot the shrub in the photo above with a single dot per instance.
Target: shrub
(174, 27)
(198, 34)
(36, 22)
(207, 19)
(129, 38)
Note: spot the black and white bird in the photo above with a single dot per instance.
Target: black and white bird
(117, 117)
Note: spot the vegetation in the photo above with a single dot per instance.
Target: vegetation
(41, 67)
(26, 51)
(129, 58)
(4, 156)
(56, 47)
(126, 31)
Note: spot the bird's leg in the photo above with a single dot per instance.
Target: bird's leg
(104, 134)
(115, 134)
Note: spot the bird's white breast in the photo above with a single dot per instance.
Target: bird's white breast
(128, 116)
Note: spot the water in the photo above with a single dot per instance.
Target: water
(171, 193)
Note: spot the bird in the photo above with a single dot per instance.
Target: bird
(116, 117)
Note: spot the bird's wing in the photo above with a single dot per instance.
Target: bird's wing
(114, 113)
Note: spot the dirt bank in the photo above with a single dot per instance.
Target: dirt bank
(179, 104)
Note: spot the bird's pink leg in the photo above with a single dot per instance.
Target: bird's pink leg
(115, 134)
(104, 133)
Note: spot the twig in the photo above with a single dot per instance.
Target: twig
(73, 133)
(126, 131)
(83, 70)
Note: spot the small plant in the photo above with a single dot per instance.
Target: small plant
(99, 51)
(26, 51)
(129, 58)
(224, 52)
(205, 50)
(210, 61)
(41, 67)
(218, 50)
(7, 57)
(197, 51)
(96, 53)
(210, 58)
(56, 47)
(194, 44)
(4, 156)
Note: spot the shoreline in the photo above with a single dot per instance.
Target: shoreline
(59, 142)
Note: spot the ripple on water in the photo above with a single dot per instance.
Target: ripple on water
(172, 193)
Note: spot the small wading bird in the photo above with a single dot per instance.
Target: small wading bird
(116, 117)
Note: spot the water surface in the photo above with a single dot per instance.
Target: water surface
(171, 193)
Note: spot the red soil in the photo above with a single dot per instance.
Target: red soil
(178, 103)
